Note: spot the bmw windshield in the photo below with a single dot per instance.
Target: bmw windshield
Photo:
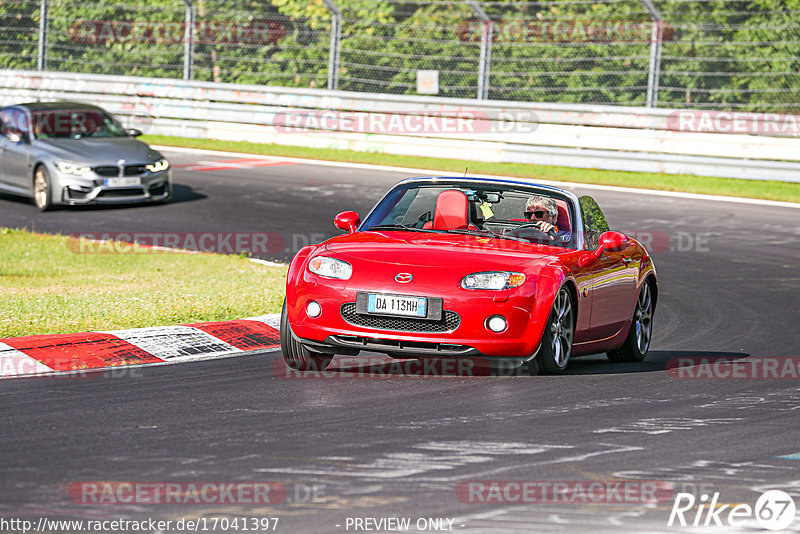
(75, 124)
(491, 210)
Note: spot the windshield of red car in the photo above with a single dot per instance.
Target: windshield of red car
(499, 212)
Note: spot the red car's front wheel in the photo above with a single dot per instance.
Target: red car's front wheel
(295, 354)
(557, 337)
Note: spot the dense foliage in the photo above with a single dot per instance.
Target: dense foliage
(738, 54)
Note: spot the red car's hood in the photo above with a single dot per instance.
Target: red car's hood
(437, 249)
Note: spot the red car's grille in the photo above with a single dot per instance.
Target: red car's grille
(448, 323)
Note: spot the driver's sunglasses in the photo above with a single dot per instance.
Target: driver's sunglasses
(539, 214)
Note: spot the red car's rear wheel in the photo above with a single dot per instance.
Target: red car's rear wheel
(295, 354)
(638, 341)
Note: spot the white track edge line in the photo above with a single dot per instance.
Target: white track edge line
(389, 168)
(267, 263)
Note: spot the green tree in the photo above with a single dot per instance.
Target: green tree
(117, 37)
(741, 54)
(20, 29)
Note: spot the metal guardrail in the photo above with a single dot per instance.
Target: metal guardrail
(587, 136)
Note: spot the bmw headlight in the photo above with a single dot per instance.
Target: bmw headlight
(495, 280)
(73, 168)
(158, 166)
(330, 268)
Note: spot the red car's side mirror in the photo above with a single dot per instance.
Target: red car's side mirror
(614, 241)
(610, 241)
(347, 221)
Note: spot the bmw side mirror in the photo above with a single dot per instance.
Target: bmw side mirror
(610, 241)
(134, 132)
(347, 221)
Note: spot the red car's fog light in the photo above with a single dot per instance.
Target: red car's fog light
(496, 323)
(313, 309)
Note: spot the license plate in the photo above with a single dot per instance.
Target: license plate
(125, 181)
(397, 305)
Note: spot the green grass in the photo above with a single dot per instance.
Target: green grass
(770, 190)
(46, 288)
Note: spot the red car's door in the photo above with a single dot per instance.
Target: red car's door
(613, 278)
(613, 288)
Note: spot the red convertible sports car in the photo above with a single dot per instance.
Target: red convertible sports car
(467, 268)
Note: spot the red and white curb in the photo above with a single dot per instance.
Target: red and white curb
(69, 353)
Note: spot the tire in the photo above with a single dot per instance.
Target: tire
(295, 354)
(42, 190)
(638, 341)
(558, 334)
(167, 198)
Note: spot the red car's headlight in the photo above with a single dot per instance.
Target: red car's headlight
(494, 280)
(330, 268)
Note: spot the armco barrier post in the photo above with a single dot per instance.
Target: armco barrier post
(486, 50)
(188, 40)
(336, 40)
(655, 53)
(44, 27)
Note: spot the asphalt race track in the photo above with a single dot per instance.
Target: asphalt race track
(402, 446)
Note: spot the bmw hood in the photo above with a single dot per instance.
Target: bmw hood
(99, 151)
(437, 249)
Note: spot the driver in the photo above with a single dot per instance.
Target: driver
(543, 213)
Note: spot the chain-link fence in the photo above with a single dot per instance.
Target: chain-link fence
(718, 54)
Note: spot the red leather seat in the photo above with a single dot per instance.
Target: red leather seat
(451, 211)
(563, 222)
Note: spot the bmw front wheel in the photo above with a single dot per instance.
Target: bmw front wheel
(42, 191)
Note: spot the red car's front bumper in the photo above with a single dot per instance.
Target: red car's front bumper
(338, 329)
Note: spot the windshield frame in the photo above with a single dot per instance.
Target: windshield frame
(528, 187)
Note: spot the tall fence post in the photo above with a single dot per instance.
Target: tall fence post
(655, 53)
(188, 40)
(44, 27)
(336, 41)
(486, 49)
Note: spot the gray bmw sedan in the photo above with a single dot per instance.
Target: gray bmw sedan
(73, 153)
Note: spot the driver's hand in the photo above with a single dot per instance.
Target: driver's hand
(545, 227)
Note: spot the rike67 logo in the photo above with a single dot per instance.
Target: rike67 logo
(774, 510)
